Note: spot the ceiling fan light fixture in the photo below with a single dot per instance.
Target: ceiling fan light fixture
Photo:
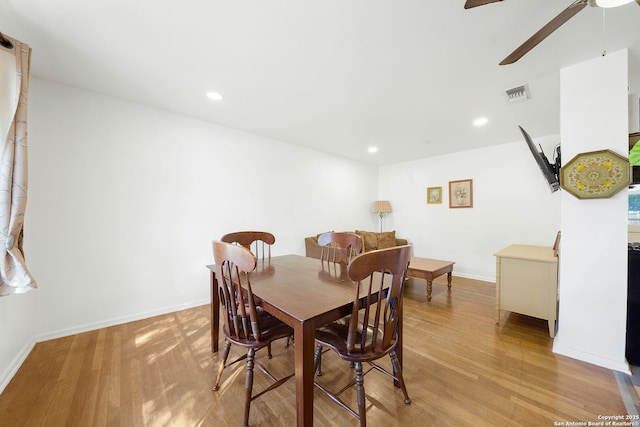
(610, 3)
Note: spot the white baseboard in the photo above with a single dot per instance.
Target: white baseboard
(116, 321)
(15, 364)
(10, 371)
(620, 366)
(474, 277)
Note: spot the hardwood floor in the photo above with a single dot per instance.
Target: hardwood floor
(460, 370)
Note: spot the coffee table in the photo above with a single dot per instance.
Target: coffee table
(428, 269)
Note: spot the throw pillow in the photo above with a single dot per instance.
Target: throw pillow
(386, 240)
(369, 239)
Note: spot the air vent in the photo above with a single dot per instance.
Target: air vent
(518, 93)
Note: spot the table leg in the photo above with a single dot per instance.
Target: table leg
(429, 289)
(304, 337)
(449, 280)
(498, 269)
(215, 309)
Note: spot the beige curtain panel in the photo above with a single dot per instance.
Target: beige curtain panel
(14, 88)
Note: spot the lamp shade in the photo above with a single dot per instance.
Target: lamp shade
(381, 206)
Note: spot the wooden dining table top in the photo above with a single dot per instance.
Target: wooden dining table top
(301, 288)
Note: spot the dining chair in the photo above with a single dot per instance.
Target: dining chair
(258, 242)
(243, 325)
(371, 331)
(339, 247)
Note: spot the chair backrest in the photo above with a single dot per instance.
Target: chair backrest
(233, 263)
(339, 247)
(374, 323)
(258, 242)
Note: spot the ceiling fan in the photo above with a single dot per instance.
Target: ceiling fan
(553, 25)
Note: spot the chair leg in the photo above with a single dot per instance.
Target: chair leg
(317, 361)
(397, 372)
(269, 351)
(362, 409)
(223, 361)
(248, 386)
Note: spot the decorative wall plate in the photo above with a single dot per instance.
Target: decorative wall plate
(595, 175)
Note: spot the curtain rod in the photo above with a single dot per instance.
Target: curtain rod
(5, 42)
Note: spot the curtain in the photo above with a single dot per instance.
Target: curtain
(14, 276)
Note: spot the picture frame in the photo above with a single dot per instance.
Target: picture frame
(461, 193)
(434, 195)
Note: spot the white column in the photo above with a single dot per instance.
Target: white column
(593, 258)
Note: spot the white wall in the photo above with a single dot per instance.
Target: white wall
(124, 201)
(593, 259)
(511, 204)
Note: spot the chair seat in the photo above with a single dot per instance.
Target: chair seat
(334, 336)
(271, 329)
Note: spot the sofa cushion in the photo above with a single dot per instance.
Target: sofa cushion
(386, 240)
(369, 238)
(375, 241)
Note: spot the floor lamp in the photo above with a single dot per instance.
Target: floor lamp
(381, 207)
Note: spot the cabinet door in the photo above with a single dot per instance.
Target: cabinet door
(528, 287)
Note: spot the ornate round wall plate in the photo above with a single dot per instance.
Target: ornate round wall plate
(595, 175)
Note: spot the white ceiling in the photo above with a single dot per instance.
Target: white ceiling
(408, 76)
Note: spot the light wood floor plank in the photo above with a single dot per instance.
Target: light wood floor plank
(459, 367)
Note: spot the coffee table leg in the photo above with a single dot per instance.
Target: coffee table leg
(449, 280)
(429, 289)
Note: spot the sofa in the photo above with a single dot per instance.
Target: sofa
(371, 241)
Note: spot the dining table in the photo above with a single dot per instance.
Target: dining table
(305, 293)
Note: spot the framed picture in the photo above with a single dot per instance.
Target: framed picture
(434, 195)
(461, 193)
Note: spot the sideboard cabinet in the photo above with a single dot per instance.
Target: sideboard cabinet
(527, 282)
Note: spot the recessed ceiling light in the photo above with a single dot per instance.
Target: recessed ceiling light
(215, 96)
(480, 121)
(372, 149)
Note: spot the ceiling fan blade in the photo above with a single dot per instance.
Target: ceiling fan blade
(545, 31)
(474, 3)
